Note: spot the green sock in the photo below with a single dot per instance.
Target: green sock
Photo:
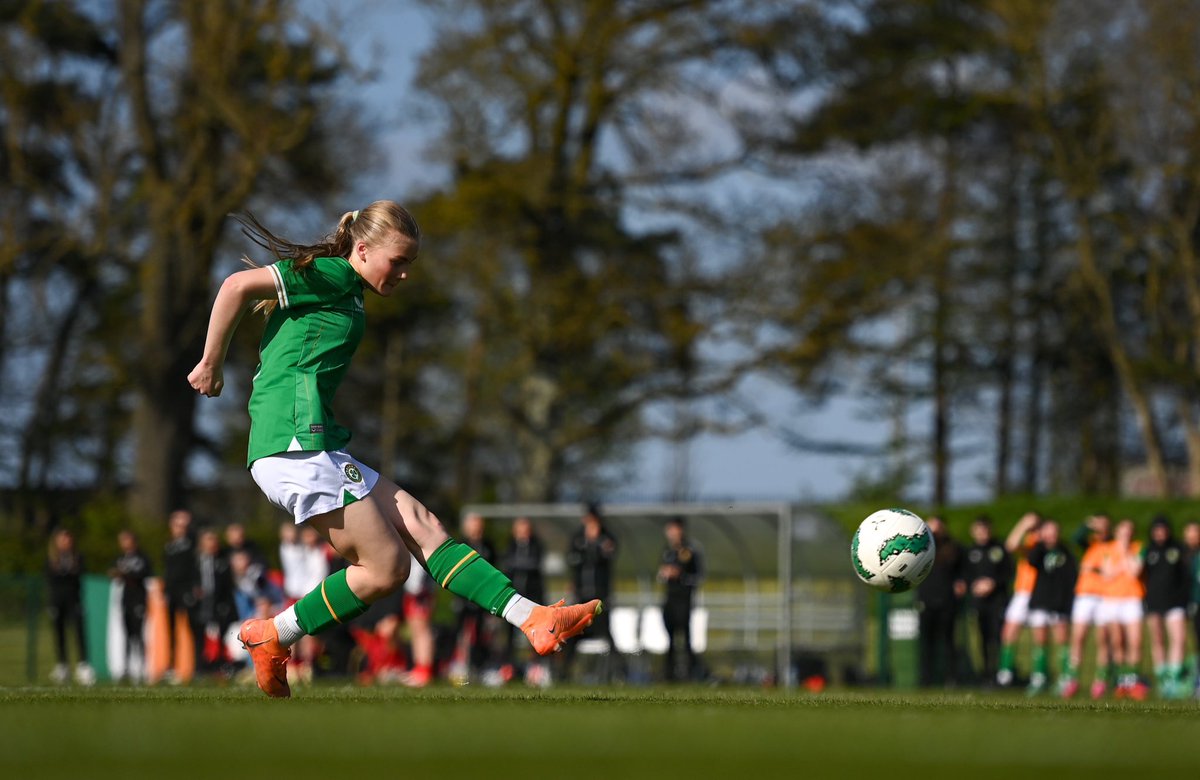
(1070, 668)
(1007, 654)
(1161, 673)
(329, 603)
(460, 570)
(1039, 661)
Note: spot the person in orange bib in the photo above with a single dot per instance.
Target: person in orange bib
(1023, 537)
(1121, 609)
(1089, 589)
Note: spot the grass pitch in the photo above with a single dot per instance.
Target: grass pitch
(602, 733)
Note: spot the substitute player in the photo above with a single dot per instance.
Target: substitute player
(1021, 539)
(313, 298)
(1121, 608)
(1085, 612)
(1050, 602)
(1167, 574)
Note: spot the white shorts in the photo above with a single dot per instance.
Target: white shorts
(1017, 610)
(306, 484)
(1040, 618)
(1174, 613)
(1086, 609)
(1119, 611)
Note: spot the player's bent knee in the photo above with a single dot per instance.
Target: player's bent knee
(391, 570)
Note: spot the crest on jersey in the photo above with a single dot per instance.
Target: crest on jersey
(352, 473)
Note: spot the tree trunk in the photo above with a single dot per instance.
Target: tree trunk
(390, 412)
(1191, 435)
(1031, 465)
(1006, 361)
(941, 329)
(1101, 289)
(536, 480)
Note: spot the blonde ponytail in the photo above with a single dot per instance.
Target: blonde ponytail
(371, 225)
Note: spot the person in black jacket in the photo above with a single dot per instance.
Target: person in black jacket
(1166, 572)
(1050, 603)
(988, 573)
(522, 562)
(216, 607)
(474, 626)
(64, 570)
(591, 556)
(938, 599)
(132, 568)
(681, 569)
(181, 585)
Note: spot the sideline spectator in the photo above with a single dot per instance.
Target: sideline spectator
(1093, 537)
(250, 583)
(1191, 540)
(181, 583)
(1020, 541)
(473, 625)
(64, 568)
(419, 598)
(216, 608)
(987, 572)
(1167, 575)
(1050, 603)
(522, 562)
(236, 541)
(681, 568)
(383, 657)
(303, 557)
(591, 555)
(132, 568)
(291, 561)
(938, 599)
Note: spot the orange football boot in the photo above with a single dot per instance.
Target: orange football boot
(270, 658)
(548, 627)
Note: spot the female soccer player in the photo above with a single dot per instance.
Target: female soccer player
(1121, 609)
(313, 299)
(1167, 574)
(1050, 602)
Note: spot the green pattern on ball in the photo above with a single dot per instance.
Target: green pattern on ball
(899, 584)
(858, 567)
(900, 543)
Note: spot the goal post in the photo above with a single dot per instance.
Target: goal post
(778, 597)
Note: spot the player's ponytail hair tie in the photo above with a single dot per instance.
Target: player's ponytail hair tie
(354, 215)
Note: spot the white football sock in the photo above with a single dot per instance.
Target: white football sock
(287, 625)
(517, 610)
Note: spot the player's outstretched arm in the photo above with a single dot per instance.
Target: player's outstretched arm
(235, 296)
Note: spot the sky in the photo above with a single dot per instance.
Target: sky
(387, 38)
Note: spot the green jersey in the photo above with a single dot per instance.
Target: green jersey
(306, 348)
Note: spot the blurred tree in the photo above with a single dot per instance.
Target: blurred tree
(912, 86)
(579, 312)
(162, 119)
(50, 272)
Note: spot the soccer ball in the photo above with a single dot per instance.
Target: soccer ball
(892, 550)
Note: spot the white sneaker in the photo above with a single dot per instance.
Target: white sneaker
(60, 674)
(1004, 677)
(85, 675)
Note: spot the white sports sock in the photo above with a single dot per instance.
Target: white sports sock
(287, 625)
(517, 610)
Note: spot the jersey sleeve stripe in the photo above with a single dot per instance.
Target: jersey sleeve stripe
(280, 290)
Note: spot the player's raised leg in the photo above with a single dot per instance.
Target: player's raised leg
(458, 568)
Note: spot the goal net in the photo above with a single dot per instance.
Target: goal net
(779, 602)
